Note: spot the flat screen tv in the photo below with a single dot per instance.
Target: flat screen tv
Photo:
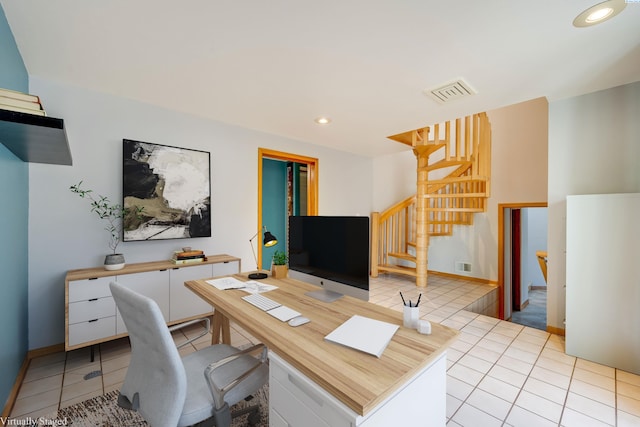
(331, 252)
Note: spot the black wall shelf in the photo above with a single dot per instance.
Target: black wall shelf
(34, 138)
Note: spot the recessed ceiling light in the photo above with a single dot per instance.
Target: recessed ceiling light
(599, 13)
(322, 120)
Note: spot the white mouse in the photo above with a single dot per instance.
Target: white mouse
(297, 321)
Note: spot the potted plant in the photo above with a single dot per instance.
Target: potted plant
(279, 265)
(114, 214)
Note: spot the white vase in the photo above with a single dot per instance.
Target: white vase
(114, 262)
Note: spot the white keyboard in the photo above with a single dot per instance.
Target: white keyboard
(272, 307)
(262, 302)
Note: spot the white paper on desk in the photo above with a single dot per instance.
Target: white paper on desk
(364, 334)
(254, 287)
(225, 283)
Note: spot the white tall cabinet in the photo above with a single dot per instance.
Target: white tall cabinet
(91, 316)
(603, 279)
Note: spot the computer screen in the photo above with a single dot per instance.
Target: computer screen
(331, 252)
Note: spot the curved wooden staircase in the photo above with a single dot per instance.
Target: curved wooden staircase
(453, 183)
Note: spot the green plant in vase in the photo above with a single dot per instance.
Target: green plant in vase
(279, 267)
(113, 214)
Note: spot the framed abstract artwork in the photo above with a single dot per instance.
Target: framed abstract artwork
(172, 186)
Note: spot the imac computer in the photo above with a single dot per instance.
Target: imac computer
(331, 252)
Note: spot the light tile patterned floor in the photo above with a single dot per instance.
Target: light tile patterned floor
(499, 373)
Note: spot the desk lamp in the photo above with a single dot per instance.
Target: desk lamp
(268, 241)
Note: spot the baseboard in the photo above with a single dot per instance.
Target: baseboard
(13, 395)
(31, 354)
(524, 304)
(44, 351)
(556, 331)
(538, 288)
(460, 277)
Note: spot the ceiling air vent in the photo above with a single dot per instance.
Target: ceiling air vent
(450, 91)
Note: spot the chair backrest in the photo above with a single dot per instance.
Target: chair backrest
(156, 372)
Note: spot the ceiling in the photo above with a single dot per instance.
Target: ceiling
(276, 65)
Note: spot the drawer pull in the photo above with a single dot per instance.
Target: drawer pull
(93, 299)
(93, 278)
(92, 320)
(305, 389)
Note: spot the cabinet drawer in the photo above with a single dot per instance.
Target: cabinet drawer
(95, 308)
(303, 403)
(276, 420)
(80, 290)
(92, 330)
(291, 410)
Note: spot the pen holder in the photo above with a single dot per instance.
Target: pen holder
(410, 317)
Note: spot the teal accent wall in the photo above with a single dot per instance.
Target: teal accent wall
(13, 73)
(274, 206)
(14, 229)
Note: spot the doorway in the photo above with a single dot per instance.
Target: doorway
(522, 235)
(287, 185)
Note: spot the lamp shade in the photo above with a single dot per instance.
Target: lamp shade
(269, 239)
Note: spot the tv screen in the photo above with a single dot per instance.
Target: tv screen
(331, 251)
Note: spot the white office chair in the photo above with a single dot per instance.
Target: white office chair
(168, 390)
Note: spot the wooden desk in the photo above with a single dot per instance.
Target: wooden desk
(359, 381)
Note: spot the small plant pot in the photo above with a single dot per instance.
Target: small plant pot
(279, 271)
(114, 262)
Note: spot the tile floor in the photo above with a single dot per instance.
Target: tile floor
(499, 373)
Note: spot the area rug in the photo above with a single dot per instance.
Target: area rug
(103, 411)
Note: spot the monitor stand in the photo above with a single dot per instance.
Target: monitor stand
(324, 295)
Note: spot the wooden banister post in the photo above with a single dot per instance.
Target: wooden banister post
(375, 242)
(422, 216)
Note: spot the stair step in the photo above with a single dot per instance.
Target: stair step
(454, 195)
(408, 271)
(404, 256)
(446, 164)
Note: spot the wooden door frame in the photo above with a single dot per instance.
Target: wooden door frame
(516, 254)
(501, 209)
(312, 183)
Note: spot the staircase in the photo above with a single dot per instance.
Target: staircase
(453, 183)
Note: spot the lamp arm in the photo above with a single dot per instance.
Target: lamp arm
(253, 249)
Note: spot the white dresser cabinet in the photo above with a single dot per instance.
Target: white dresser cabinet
(152, 284)
(182, 302)
(91, 316)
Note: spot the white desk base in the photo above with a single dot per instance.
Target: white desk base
(296, 401)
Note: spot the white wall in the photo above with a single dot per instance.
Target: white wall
(64, 234)
(593, 149)
(519, 174)
(603, 279)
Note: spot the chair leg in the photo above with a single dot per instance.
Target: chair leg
(254, 417)
(125, 403)
(222, 416)
(253, 411)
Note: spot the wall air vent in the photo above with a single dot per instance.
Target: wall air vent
(453, 90)
(463, 267)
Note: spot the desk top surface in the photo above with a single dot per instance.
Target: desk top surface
(361, 381)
